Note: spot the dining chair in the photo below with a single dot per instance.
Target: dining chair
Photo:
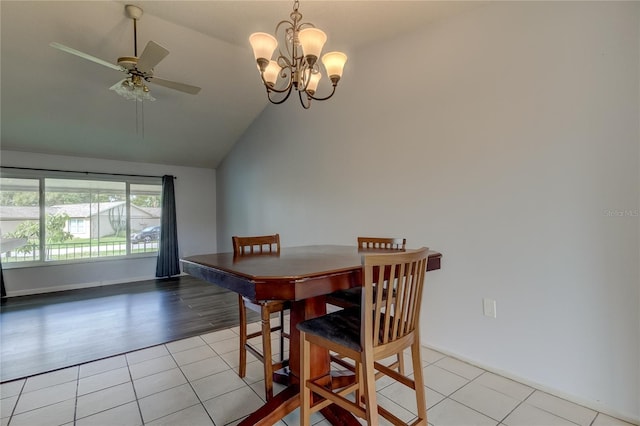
(260, 245)
(350, 298)
(381, 243)
(382, 328)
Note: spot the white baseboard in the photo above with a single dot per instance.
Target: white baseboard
(28, 292)
(555, 392)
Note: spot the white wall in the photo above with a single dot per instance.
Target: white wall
(195, 210)
(508, 139)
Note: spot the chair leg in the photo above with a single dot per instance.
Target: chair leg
(282, 335)
(369, 387)
(243, 338)
(358, 372)
(305, 372)
(416, 359)
(266, 352)
(401, 363)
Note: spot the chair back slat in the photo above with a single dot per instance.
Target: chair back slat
(412, 294)
(388, 305)
(382, 243)
(256, 245)
(399, 276)
(401, 301)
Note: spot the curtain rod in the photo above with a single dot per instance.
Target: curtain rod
(74, 171)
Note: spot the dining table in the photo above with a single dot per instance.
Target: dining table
(303, 275)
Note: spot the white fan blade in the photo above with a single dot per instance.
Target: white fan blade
(186, 88)
(152, 54)
(85, 56)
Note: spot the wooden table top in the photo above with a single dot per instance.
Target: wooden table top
(295, 273)
(294, 263)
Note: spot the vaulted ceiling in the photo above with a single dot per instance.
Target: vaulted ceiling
(53, 102)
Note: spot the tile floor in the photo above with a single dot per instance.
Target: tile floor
(194, 382)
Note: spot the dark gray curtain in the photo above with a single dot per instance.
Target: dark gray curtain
(4, 292)
(168, 263)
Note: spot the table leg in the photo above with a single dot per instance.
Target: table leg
(289, 399)
(320, 362)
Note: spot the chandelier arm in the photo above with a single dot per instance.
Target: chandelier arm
(289, 46)
(308, 104)
(283, 75)
(333, 91)
(273, 89)
(286, 63)
(284, 22)
(269, 91)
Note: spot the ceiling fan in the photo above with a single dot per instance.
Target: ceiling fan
(139, 70)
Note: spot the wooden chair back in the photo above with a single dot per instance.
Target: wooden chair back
(260, 245)
(256, 245)
(394, 318)
(382, 243)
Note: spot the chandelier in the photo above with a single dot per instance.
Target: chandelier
(297, 67)
(133, 88)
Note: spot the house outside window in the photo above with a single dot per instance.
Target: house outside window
(80, 219)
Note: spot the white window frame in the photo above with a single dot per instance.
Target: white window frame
(41, 175)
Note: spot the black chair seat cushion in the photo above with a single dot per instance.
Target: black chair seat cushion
(342, 327)
(352, 296)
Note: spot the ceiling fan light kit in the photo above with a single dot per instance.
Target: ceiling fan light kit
(297, 68)
(133, 88)
(139, 70)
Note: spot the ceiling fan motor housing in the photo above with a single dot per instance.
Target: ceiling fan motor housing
(128, 62)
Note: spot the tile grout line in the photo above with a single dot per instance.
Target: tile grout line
(555, 414)
(207, 344)
(458, 402)
(13, 411)
(500, 421)
(533, 390)
(510, 412)
(75, 403)
(189, 382)
(135, 394)
(22, 393)
(242, 378)
(231, 368)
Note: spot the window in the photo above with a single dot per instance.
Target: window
(79, 218)
(145, 217)
(20, 218)
(76, 226)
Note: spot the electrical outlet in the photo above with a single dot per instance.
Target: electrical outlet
(489, 307)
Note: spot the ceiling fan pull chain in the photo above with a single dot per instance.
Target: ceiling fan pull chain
(137, 118)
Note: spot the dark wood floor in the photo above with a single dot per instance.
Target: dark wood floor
(46, 332)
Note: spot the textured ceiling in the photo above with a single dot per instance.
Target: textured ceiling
(53, 102)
